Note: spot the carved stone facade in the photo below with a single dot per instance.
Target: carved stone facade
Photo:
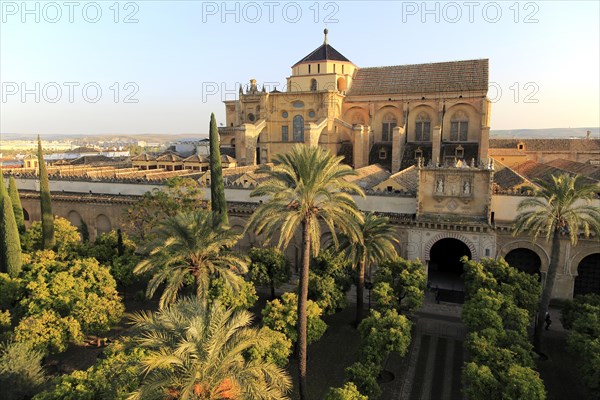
(383, 115)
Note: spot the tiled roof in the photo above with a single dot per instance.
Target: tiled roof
(323, 53)
(227, 159)
(144, 157)
(408, 178)
(408, 158)
(91, 160)
(453, 76)
(470, 151)
(374, 155)
(196, 158)
(547, 144)
(505, 152)
(80, 150)
(591, 171)
(505, 178)
(534, 170)
(169, 157)
(369, 176)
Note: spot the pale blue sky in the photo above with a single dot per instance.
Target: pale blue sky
(178, 47)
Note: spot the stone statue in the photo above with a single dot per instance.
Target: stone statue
(467, 188)
(440, 186)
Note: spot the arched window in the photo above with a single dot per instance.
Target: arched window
(313, 85)
(423, 127)
(459, 127)
(298, 126)
(388, 125)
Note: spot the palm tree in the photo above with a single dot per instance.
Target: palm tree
(305, 187)
(560, 206)
(374, 243)
(191, 243)
(197, 351)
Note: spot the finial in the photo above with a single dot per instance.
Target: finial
(325, 31)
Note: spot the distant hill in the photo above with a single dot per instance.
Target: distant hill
(551, 133)
(151, 137)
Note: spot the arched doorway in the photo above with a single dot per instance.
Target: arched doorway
(588, 275)
(525, 260)
(445, 268)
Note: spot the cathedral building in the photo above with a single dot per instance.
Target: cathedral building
(392, 116)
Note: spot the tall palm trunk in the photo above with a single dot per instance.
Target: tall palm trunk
(547, 291)
(360, 289)
(302, 301)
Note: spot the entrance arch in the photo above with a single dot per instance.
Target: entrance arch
(525, 260)
(588, 275)
(445, 268)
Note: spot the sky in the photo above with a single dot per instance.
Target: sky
(131, 67)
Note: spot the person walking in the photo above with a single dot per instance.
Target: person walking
(548, 320)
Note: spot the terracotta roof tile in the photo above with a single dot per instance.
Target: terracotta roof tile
(547, 144)
(591, 171)
(453, 76)
(369, 176)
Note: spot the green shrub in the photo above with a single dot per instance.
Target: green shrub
(21, 372)
(347, 392)
(364, 376)
(282, 315)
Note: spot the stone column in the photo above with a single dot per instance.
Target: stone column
(358, 133)
(435, 144)
(397, 148)
(484, 143)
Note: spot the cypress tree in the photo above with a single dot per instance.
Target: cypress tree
(217, 186)
(85, 232)
(13, 193)
(11, 243)
(46, 205)
(120, 247)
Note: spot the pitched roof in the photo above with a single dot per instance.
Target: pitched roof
(91, 160)
(323, 53)
(408, 156)
(144, 157)
(406, 179)
(453, 76)
(375, 152)
(505, 152)
(369, 176)
(534, 170)
(196, 158)
(591, 171)
(169, 157)
(80, 150)
(505, 178)
(547, 144)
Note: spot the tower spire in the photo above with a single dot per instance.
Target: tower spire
(325, 31)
